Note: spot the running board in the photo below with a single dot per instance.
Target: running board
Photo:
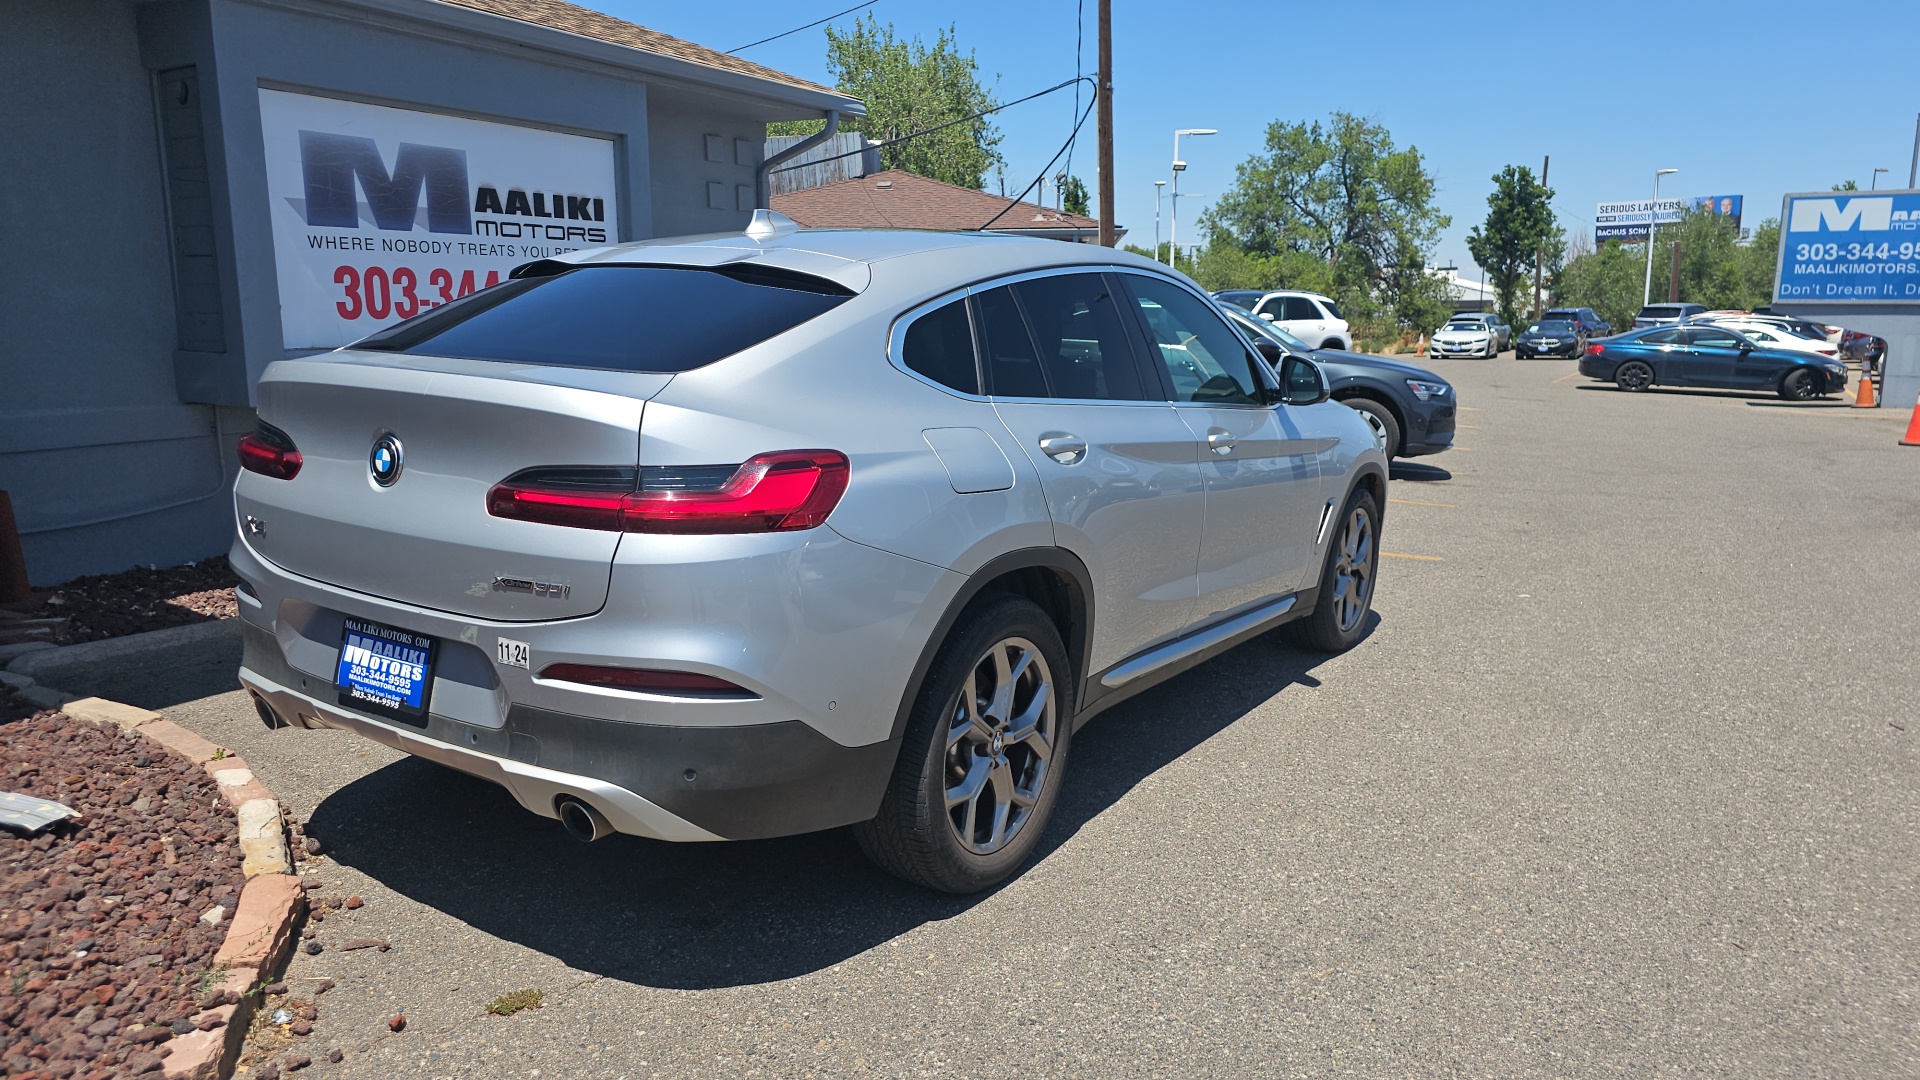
(1174, 651)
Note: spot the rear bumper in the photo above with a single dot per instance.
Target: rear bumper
(652, 780)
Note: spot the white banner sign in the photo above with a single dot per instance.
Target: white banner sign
(381, 213)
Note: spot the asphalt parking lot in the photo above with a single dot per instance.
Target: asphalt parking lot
(1622, 782)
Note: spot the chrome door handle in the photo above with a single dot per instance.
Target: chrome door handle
(1221, 442)
(1062, 447)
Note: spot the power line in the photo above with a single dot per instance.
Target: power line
(797, 29)
(1079, 37)
(946, 124)
(1075, 133)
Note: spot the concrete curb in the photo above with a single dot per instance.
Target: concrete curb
(262, 933)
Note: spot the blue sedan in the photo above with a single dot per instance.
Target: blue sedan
(1709, 356)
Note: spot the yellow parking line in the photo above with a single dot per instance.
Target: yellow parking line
(1469, 408)
(1417, 502)
(1422, 558)
(1468, 427)
(1568, 375)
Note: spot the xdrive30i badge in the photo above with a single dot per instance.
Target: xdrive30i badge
(532, 588)
(384, 461)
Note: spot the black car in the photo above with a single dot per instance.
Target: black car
(1410, 409)
(1709, 356)
(1550, 337)
(1587, 319)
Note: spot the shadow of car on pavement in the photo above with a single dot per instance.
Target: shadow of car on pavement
(1417, 473)
(703, 916)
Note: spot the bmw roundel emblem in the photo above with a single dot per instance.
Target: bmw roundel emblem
(384, 462)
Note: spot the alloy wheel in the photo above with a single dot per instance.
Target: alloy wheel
(1001, 735)
(1634, 376)
(1353, 570)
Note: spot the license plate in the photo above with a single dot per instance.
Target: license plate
(383, 669)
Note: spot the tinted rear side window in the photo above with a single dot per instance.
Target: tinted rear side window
(939, 345)
(1083, 344)
(618, 318)
(1013, 365)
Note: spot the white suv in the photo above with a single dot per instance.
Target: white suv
(1312, 318)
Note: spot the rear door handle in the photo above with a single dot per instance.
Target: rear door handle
(1065, 448)
(1221, 441)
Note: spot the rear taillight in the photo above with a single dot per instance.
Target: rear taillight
(269, 452)
(793, 489)
(646, 681)
(1596, 350)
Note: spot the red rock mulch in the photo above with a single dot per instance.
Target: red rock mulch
(132, 601)
(103, 954)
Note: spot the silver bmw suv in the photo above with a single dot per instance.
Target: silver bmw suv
(752, 535)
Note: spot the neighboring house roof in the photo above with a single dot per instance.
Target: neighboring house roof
(574, 19)
(900, 200)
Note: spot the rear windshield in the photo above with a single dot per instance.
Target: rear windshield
(618, 318)
(1660, 311)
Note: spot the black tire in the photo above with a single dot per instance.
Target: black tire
(1335, 344)
(1381, 419)
(1335, 626)
(1633, 376)
(1798, 386)
(914, 837)
(1522, 354)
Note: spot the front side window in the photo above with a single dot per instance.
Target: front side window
(1083, 344)
(939, 345)
(662, 319)
(1714, 339)
(1207, 361)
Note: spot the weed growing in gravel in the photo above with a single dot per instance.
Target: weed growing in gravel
(508, 1004)
(210, 978)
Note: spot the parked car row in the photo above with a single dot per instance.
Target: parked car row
(746, 536)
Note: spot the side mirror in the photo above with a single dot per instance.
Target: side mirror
(1267, 315)
(1302, 382)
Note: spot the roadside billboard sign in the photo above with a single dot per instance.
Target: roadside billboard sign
(382, 213)
(1850, 248)
(1627, 222)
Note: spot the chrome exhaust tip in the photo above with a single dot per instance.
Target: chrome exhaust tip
(582, 821)
(267, 715)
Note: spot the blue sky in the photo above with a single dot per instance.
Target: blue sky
(1755, 99)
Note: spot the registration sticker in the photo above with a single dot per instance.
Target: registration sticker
(384, 669)
(511, 653)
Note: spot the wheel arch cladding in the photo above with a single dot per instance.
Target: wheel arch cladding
(1054, 579)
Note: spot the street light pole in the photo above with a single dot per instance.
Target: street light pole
(1159, 187)
(1173, 224)
(1653, 212)
(1875, 185)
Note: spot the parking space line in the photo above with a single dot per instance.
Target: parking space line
(1469, 408)
(1468, 427)
(1568, 375)
(1417, 502)
(1403, 555)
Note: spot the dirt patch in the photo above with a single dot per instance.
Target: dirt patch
(104, 955)
(141, 599)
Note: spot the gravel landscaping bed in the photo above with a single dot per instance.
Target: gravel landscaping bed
(104, 954)
(133, 601)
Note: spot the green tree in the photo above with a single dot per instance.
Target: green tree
(1519, 224)
(1073, 197)
(908, 87)
(1607, 280)
(1336, 208)
(1847, 185)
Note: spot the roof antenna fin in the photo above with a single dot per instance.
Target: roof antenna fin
(770, 225)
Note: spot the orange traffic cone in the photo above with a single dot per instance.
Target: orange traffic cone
(1864, 399)
(1912, 437)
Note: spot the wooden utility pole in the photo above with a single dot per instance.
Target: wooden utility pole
(1105, 92)
(1540, 253)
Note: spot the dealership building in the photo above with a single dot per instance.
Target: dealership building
(197, 188)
